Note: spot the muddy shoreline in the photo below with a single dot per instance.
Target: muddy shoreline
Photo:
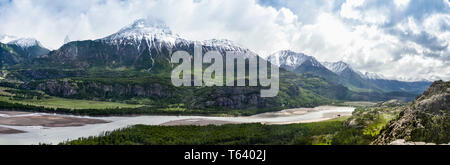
(10, 118)
(4, 130)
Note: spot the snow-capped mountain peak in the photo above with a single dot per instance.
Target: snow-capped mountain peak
(144, 29)
(156, 34)
(372, 76)
(288, 59)
(146, 26)
(25, 42)
(224, 45)
(340, 66)
(337, 67)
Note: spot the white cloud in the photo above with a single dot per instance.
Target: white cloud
(348, 9)
(401, 3)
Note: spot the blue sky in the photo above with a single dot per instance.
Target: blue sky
(401, 39)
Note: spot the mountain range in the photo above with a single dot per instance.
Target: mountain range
(344, 74)
(133, 65)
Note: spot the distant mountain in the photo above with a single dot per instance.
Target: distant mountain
(350, 77)
(289, 60)
(337, 67)
(374, 81)
(28, 47)
(372, 76)
(293, 61)
(301, 63)
(8, 56)
(339, 72)
(370, 84)
(143, 44)
(342, 68)
(20, 50)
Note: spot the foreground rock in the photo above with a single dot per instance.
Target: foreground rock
(426, 120)
(403, 142)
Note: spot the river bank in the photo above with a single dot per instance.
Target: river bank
(53, 128)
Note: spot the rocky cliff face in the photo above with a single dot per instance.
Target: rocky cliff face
(223, 97)
(426, 120)
(98, 90)
(232, 98)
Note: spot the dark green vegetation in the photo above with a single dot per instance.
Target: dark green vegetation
(360, 129)
(427, 119)
(242, 134)
(365, 124)
(145, 110)
(154, 94)
(11, 54)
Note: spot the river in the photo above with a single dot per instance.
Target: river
(55, 135)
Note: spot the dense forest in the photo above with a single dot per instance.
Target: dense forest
(230, 134)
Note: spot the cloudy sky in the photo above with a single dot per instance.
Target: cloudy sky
(401, 39)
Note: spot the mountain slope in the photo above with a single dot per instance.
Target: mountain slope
(350, 77)
(8, 56)
(132, 65)
(337, 67)
(301, 63)
(373, 81)
(427, 119)
(19, 51)
(365, 86)
(28, 47)
(339, 72)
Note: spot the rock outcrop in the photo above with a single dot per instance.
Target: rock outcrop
(426, 120)
(217, 97)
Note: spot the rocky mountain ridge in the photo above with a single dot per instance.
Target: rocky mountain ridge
(426, 120)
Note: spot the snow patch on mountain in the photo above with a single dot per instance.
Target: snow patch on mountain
(155, 34)
(25, 42)
(372, 76)
(291, 60)
(340, 66)
(149, 30)
(224, 46)
(337, 67)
